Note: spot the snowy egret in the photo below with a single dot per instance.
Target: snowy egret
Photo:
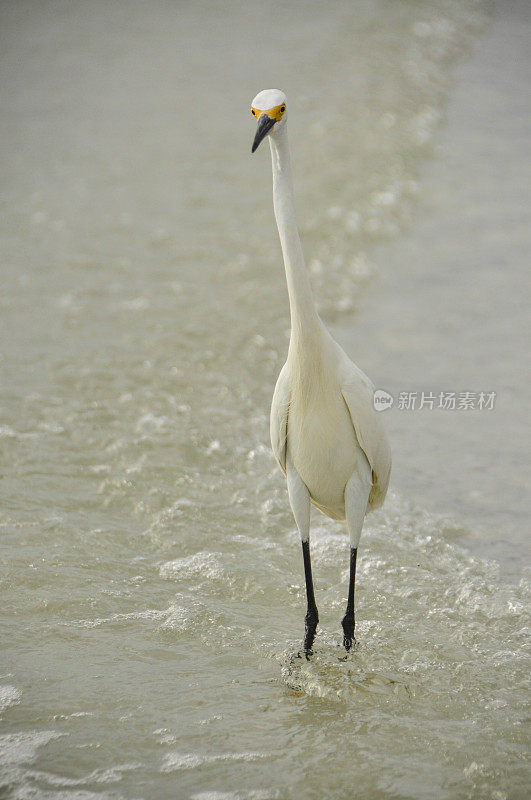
(325, 433)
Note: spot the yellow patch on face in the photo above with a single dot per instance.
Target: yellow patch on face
(273, 113)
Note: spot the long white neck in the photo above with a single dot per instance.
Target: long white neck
(306, 327)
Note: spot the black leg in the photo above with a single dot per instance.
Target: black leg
(312, 617)
(349, 620)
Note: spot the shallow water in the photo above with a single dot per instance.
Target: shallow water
(152, 588)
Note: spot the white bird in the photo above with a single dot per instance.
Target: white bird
(325, 432)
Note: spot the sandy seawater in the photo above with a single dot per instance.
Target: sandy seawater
(152, 588)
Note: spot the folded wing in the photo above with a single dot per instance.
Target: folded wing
(358, 393)
(278, 423)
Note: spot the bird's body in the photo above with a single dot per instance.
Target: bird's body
(311, 419)
(325, 432)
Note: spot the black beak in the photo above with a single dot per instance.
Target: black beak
(265, 123)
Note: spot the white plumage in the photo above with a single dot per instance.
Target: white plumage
(325, 432)
(326, 418)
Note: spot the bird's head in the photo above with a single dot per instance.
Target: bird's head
(270, 110)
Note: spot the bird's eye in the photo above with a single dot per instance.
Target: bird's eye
(282, 109)
(253, 112)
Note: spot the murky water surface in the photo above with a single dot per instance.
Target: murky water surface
(152, 590)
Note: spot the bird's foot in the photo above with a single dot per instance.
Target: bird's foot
(310, 629)
(348, 622)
